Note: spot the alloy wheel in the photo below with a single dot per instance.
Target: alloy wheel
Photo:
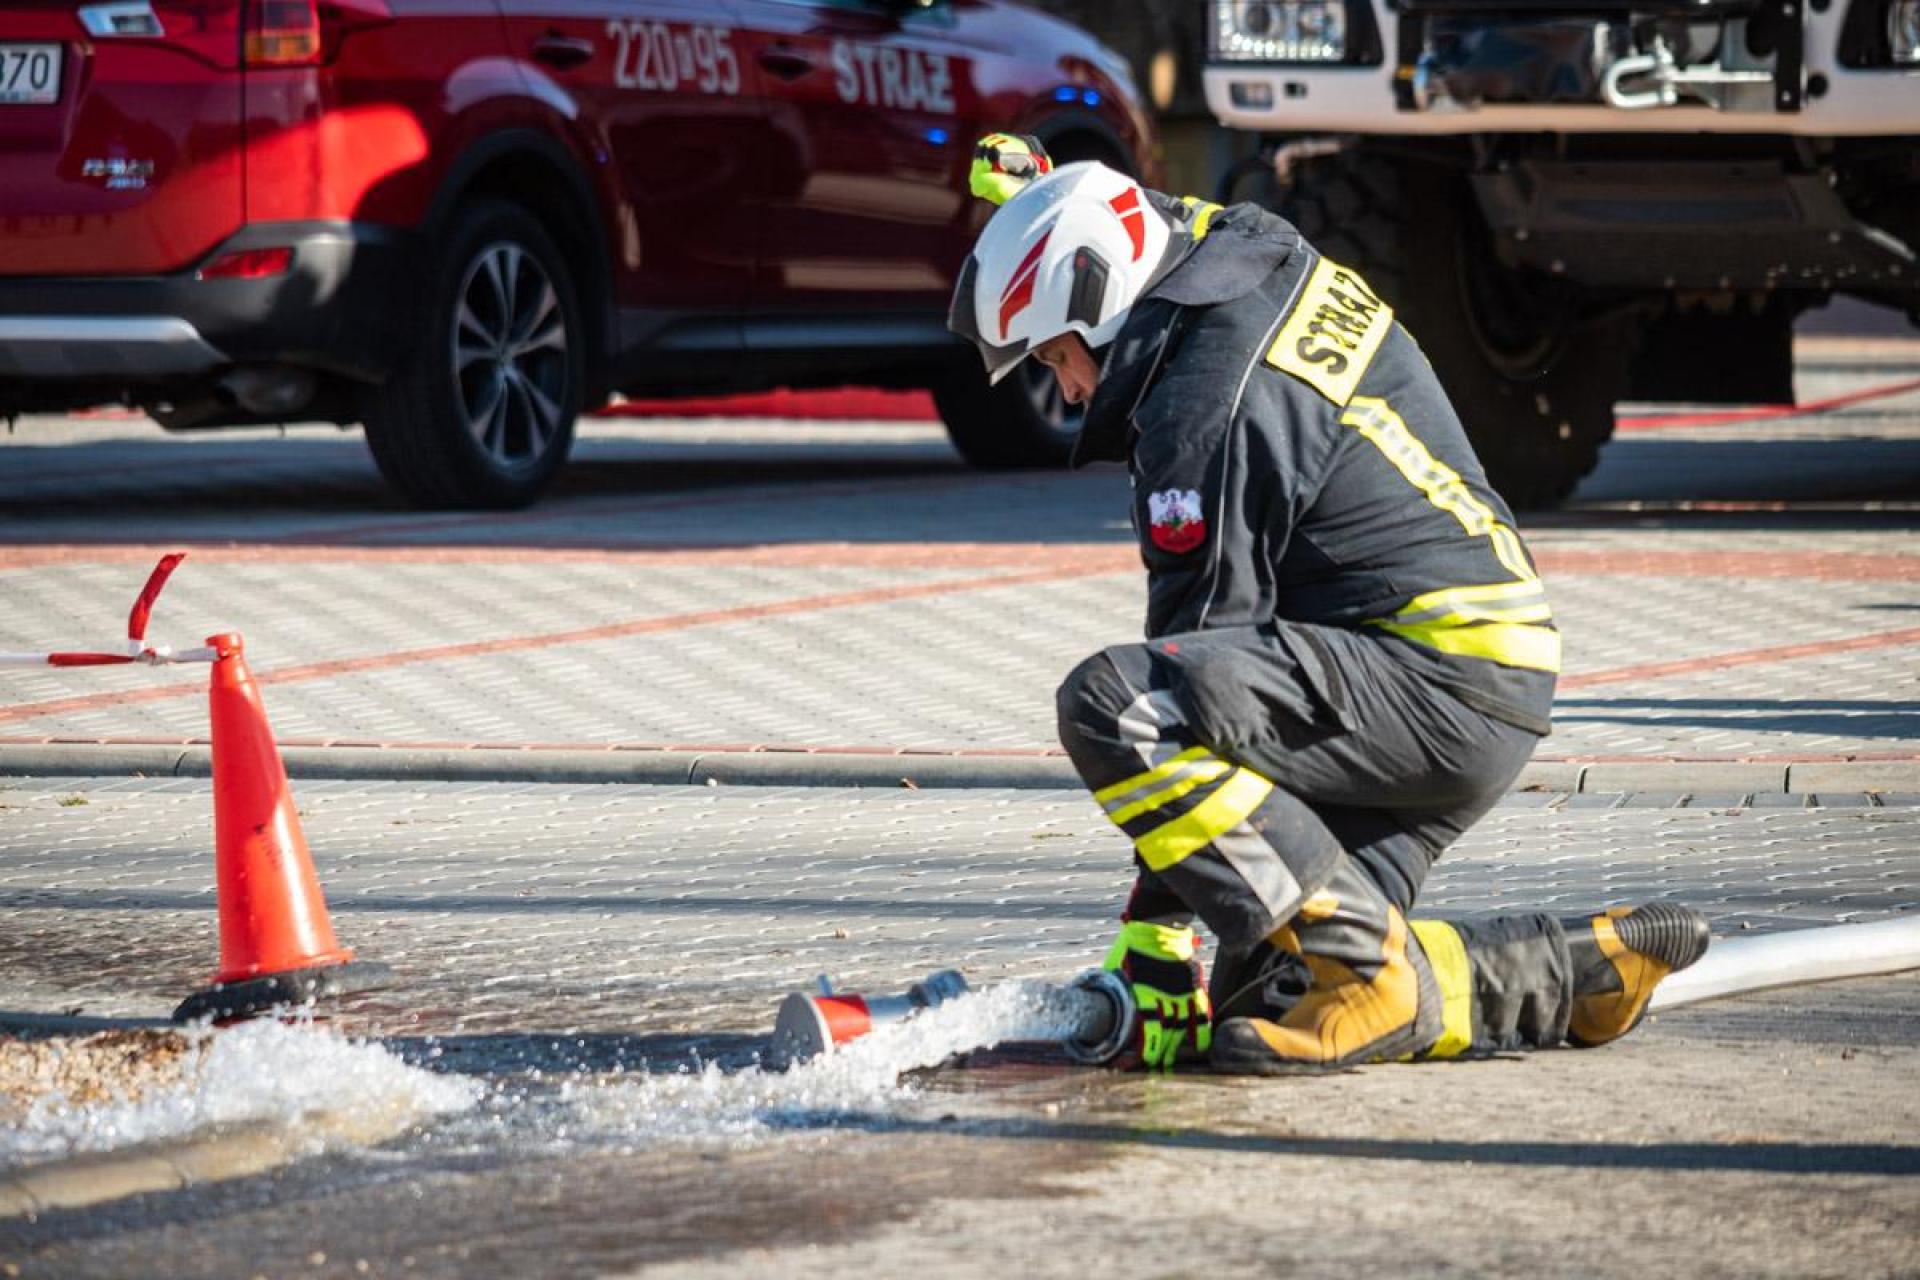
(510, 366)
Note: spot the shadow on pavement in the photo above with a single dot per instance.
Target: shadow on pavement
(623, 494)
(1748, 1157)
(1728, 468)
(489, 904)
(1813, 715)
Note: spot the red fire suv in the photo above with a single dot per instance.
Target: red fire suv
(463, 222)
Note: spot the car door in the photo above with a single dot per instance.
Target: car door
(657, 91)
(867, 151)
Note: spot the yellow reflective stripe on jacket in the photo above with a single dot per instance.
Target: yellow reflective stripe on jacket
(1496, 602)
(1511, 644)
(1447, 957)
(1203, 211)
(1493, 621)
(1197, 775)
(1128, 787)
(1373, 418)
(1206, 822)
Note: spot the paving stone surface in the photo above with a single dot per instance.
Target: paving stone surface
(574, 926)
(1732, 591)
(662, 908)
(1726, 592)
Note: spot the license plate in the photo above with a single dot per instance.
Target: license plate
(29, 74)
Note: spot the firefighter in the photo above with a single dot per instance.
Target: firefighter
(1349, 653)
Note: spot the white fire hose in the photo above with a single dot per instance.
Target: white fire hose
(1739, 966)
(810, 1024)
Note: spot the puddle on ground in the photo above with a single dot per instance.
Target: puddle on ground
(530, 1095)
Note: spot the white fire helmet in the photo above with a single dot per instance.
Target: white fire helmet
(1069, 253)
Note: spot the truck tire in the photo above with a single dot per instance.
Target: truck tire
(481, 412)
(1534, 382)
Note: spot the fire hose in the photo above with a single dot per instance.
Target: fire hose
(1103, 1015)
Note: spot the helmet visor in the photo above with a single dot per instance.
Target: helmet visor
(963, 319)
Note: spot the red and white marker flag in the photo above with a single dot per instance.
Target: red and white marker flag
(137, 650)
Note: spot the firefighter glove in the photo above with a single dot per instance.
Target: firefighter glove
(1005, 162)
(1160, 964)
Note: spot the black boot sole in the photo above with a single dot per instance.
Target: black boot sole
(1674, 935)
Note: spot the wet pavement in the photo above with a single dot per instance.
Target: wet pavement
(580, 954)
(585, 975)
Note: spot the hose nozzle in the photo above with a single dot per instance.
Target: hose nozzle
(1107, 1025)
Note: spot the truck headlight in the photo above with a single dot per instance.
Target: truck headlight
(1288, 30)
(1903, 30)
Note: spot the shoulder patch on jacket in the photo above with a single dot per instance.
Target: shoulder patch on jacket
(1333, 332)
(1175, 520)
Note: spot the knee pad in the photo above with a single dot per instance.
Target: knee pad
(1095, 695)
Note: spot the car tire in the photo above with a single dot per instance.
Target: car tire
(480, 413)
(1532, 377)
(1021, 423)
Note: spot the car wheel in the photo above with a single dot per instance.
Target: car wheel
(1022, 422)
(1533, 378)
(481, 412)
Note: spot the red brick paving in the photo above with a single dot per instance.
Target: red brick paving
(1743, 658)
(581, 635)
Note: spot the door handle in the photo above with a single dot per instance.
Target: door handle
(788, 64)
(562, 52)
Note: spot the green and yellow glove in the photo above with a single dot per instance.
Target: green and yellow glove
(1159, 963)
(1005, 162)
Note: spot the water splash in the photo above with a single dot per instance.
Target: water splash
(861, 1079)
(270, 1071)
(257, 1071)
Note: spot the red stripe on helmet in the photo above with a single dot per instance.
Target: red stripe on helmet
(1126, 207)
(1019, 291)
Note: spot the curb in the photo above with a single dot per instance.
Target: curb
(909, 769)
(237, 1151)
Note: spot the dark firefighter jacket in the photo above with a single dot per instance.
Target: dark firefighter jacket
(1295, 459)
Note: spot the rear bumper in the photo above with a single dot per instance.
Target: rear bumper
(70, 347)
(341, 307)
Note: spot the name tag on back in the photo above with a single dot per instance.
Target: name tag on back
(1333, 333)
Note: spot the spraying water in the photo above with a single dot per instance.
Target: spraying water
(861, 1079)
(286, 1073)
(258, 1071)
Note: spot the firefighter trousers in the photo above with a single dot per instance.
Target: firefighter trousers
(1292, 785)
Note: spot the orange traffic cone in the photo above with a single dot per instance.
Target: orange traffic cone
(276, 943)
